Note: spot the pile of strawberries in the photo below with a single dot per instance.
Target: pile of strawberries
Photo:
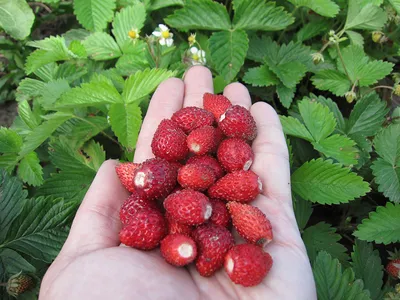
(186, 200)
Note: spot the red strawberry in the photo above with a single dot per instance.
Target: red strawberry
(393, 268)
(190, 118)
(132, 205)
(201, 140)
(219, 137)
(175, 227)
(208, 161)
(125, 173)
(18, 284)
(196, 176)
(145, 230)
(238, 122)
(213, 242)
(251, 223)
(235, 154)
(242, 186)
(188, 207)
(178, 249)
(220, 214)
(247, 264)
(216, 104)
(169, 141)
(155, 178)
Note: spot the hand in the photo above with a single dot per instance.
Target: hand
(93, 265)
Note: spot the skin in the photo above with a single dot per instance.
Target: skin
(93, 265)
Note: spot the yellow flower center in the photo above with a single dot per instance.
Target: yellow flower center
(132, 34)
(195, 57)
(191, 39)
(165, 34)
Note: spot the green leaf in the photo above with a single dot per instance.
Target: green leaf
(260, 76)
(131, 17)
(328, 102)
(16, 18)
(39, 230)
(10, 141)
(285, 94)
(258, 15)
(228, 51)
(333, 81)
(9, 161)
(30, 170)
(318, 119)
(42, 133)
(338, 147)
(367, 116)
(289, 62)
(367, 265)
(70, 72)
(78, 49)
(312, 29)
(143, 83)
(94, 15)
(327, 183)
(326, 8)
(25, 112)
(333, 284)
(355, 38)
(396, 5)
(89, 94)
(12, 199)
(302, 210)
(292, 126)
(387, 168)
(126, 120)
(52, 91)
(14, 262)
(129, 64)
(50, 50)
(359, 68)
(29, 88)
(157, 4)
(70, 185)
(369, 17)
(200, 14)
(257, 46)
(101, 46)
(382, 226)
(96, 153)
(67, 158)
(323, 237)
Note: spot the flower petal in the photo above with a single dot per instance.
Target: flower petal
(163, 27)
(170, 42)
(162, 42)
(157, 33)
(194, 50)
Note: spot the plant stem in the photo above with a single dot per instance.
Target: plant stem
(341, 59)
(3, 283)
(324, 47)
(284, 31)
(40, 5)
(383, 87)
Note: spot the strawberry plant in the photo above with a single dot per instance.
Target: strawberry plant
(82, 73)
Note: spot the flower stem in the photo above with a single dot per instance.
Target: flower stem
(342, 61)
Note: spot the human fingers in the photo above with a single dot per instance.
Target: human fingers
(167, 99)
(238, 94)
(198, 80)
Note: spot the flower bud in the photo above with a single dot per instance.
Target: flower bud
(350, 96)
(19, 283)
(397, 89)
(317, 58)
(377, 36)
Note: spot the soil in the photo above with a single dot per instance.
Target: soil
(8, 112)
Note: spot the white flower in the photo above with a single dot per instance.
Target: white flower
(134, 33)
(198, 56)
(165, 36)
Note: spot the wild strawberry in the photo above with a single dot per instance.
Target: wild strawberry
(247, 264)
(235, 154)
(196, 176)
(125, 173)
(19, 283)
(219, 137)
(190, 118)
(251, 223)
(169, 141)
(155, 178)
(216, 104)
(145, 230)
(208, 161)
(393, 267)
(220, 214)
(178, 249)
(238, 122)
(201, 140)
(176, 227)
(132, 205)
(188, 207)
(213, 242)
(241, 186)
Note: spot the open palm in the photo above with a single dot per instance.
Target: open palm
(92, 264)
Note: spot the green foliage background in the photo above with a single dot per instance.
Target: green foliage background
(83, 86)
